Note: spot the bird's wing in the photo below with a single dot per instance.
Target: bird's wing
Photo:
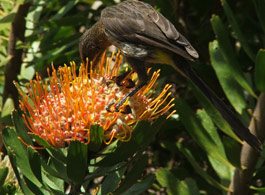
(135, 22)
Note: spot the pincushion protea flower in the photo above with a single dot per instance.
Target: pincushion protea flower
(67, 105)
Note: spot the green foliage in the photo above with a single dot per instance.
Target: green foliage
(39, 175)
(77, 157)
(96, 138)
(260, 70)
(175, 186)
(186, 154)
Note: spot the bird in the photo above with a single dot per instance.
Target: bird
(144, 36)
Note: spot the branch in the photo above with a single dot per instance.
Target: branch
(249, 156)
(17, 32)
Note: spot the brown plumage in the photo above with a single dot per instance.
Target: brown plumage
(135, 22)
(145, 36)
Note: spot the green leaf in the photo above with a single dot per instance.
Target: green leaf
(77, 161)
(54, 152)
(223, 171)
(8, 18)
(6, 112)
(260, 70)
(66, 8)
(214, 113)
(260, 7)
(198, 133)
(233, 150)
(40, 140)
(96, 137)
(59, 167)
(133, 174)
(199, 170)
(168, 180)
(21, 129)
(34, 188)
(228, 53)
(52, 171)
(174, 186)
(102, 171)
(260, 189)
(70, 21)
(21, 157)
(5, 61)
(188, 186)
(141, 187)
(54, 184)
(22, 184)
(35, 164)
(143, 134)
(3, 175)
(111, 181)
(239, 34)
(225, 75)
(210, 129)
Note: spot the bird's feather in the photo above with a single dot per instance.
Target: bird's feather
(138, 23)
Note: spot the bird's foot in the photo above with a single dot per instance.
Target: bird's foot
(130, 84)
(112, 107)
(123, 80)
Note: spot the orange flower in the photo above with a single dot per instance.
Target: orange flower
(64, 107)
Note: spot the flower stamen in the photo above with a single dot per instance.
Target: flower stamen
(68, 104)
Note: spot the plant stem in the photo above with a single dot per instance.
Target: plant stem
(249, 156)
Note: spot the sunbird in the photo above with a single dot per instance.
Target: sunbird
(144, 36)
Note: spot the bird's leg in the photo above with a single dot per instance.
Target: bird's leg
(139, 67)
(120, 78)
(130, 94)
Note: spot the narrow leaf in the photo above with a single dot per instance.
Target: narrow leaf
(54, 183)
(21, 129)
(168, 180)
(35, 164)
(59, 167)
(174, 186)
(143, 134)
(77, 161)
(260, 70)
(214, 114)
(3, 175)
(96, 138)
(52, 171)
(8, 18)
(141, 187)
(223, 171)
(22, 160)
(238, 32)
(198, 133)
(225, 75)
(54, 152)
(65, 9)
(199, 170)
(12, 157)
(228, 53)
(103, 170)
(260, 7)
(111, 181)
(133, 175)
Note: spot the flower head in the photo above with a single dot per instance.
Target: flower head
(64, 107)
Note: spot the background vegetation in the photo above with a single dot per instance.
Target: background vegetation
(194, 152)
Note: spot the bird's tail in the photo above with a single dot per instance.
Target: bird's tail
(241, 131)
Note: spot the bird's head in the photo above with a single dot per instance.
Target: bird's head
(93, 43)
